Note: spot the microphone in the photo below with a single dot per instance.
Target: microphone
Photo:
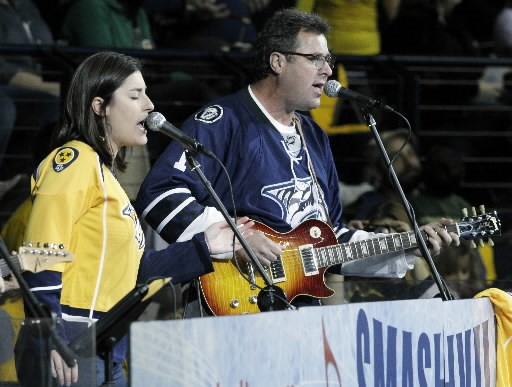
(157, 123)
(334, 89)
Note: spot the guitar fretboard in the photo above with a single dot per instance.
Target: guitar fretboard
(346, 252)
(5, 270)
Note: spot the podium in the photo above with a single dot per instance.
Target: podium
(25, 344)
(419, 342)
(27, 341)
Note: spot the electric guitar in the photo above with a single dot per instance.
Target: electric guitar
(310, 248)
(35, 259)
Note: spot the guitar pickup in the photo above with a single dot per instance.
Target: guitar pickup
(277, 270)
(309, 265)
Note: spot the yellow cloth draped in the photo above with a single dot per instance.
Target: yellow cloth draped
(502, 302)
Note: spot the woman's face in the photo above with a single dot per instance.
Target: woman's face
(127, 112)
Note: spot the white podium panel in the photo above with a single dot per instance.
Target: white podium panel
(397, 343)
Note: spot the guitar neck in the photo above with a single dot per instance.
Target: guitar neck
(351, 251)
(5, 270)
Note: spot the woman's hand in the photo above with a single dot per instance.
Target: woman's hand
(219, 236)
(60, 370)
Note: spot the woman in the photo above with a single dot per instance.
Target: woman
(79, 205)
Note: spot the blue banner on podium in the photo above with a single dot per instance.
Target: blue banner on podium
(396, 343)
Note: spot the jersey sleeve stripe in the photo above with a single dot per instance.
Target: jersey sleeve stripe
(173, 213)
(45, 288)
(159, 198)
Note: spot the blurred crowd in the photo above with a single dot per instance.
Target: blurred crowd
(365, 27)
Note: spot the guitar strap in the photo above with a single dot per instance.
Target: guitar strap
(296, 121)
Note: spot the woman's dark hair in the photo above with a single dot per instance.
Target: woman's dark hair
(100, 75)
(280, 34)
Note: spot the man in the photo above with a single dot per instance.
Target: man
(407, 167)
(279, 161)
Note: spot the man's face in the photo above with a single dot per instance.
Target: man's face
(301, 81)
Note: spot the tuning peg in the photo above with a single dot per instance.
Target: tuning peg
(464, 212)
(473, 211)
(472, 244)
(481, 242)
(490, 242)
(482, 209)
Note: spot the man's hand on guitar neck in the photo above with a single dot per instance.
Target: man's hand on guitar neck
(265, 249)
(438, 236)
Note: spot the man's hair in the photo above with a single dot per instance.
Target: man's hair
(100, 75)
(280, 34)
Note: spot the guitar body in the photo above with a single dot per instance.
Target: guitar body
(228, 292)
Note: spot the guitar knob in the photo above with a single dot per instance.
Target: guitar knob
(253, 299)
(234, 304)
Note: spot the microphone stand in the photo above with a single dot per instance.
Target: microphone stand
(443, 289)
(38, 310)
(271, 297)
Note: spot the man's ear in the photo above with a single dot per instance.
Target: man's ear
(97, 106)
(277, 62)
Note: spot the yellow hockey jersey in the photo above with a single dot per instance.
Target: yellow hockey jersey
(79, 205)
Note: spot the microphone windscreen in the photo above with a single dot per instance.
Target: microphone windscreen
(332, 88)
(155, 121)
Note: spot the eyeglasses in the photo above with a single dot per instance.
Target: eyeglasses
(318, 60)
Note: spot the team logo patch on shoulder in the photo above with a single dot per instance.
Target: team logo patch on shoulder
(64, 158)
(210, 114)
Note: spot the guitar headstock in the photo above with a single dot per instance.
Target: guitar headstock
(36, 259)
(479, 226)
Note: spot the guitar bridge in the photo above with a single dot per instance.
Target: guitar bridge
(308, 259)
(252, 277)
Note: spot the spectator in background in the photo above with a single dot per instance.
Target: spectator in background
(462, 270)
(355, 24)
(7, 120)
(476, 18)
(407, 167)
(443, 172)
(502, 31)
(262, 10)
(26, 98)
(107, 23)
(211, 25)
